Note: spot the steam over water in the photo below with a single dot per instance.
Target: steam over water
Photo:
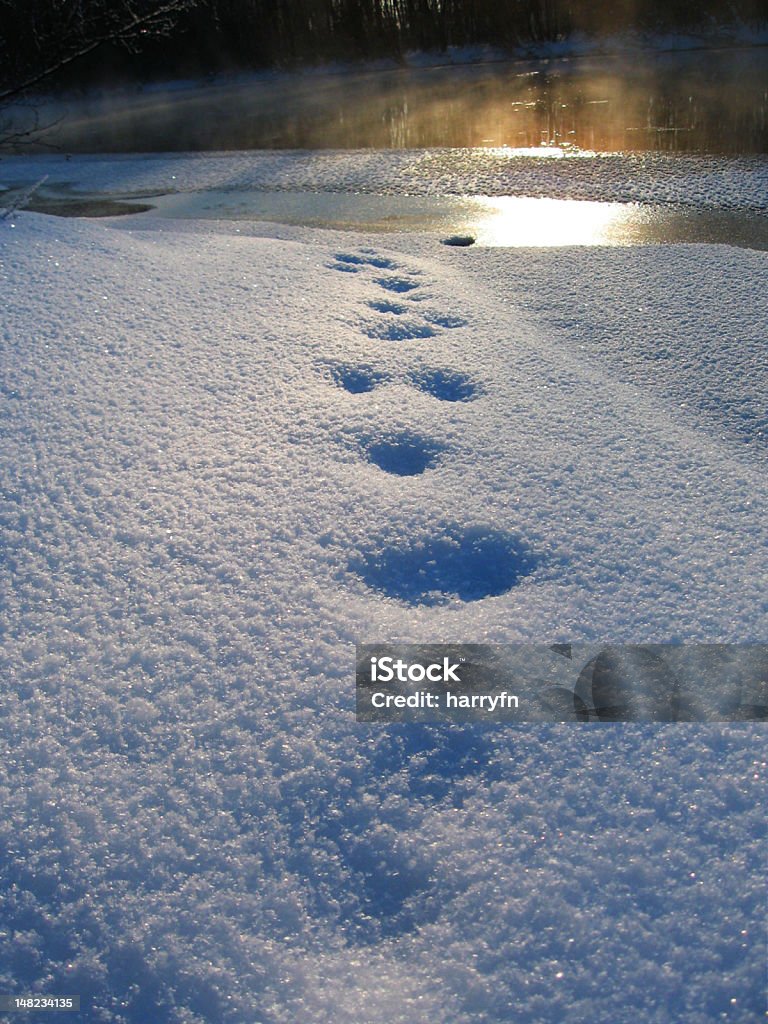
(713, 101)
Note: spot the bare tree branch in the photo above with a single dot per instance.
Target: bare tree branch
(14, 138)
(123, 26)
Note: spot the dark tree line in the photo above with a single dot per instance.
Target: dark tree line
(42, 38)
(83, 41)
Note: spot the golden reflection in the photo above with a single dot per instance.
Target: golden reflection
(519, 222)
(544, 150)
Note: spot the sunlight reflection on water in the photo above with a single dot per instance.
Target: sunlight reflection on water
(514, 221)
(492, 221)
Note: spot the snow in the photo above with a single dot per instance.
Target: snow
(220, 443)
(708, 182)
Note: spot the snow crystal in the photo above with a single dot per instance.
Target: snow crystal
(224, 463)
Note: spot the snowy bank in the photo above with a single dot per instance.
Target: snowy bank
(218, 440)
(707, 182)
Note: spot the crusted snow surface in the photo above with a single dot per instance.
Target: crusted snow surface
(224, 448)
(686, 179)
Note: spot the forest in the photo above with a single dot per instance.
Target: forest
(83, 42)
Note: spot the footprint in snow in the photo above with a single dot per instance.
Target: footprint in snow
(445, 385)
(397, 284)
(464, 563)
(385, 306)
(345, 268)
(400, 330)
(445, 320)
(406, 329)
(403, 454)
(357, 380)
(367, 259)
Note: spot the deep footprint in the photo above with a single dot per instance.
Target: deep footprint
(404, 454)
(346, 268)
(445, 385)
(397, 284)
(380, 262)
(405, 330)
(384, 306)
(357, 380)
(467, 565)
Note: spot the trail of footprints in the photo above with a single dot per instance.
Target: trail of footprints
(397, 321)
(405, 453)
(468, 562)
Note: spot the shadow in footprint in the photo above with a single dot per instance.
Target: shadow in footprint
(397, 284)
(468, 564)
(371, 260)
(445, 320)
(356, 379)
(346, 268)
(404, 454)
(384, 306)
(434, 757)
(445, 385)
(404, 330)
(388, 879)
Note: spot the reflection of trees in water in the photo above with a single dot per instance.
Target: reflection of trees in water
(645, 113)
(677, 108)
(600, 112)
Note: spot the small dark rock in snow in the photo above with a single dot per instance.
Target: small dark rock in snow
(459, 240)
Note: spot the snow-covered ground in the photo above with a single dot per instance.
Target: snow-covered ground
(705, 182)
(198, 529)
